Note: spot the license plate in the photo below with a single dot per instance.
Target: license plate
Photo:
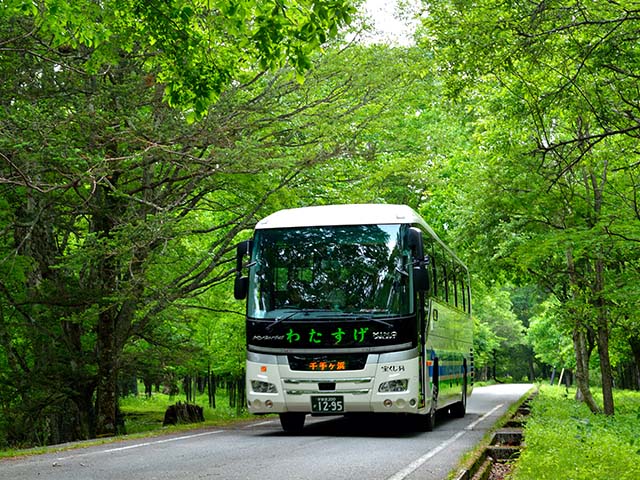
(327, 404)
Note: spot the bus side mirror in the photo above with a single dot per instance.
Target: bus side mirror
(420, 272)
(415, 243)
(241, 283)
(420, 278)
(240, 288)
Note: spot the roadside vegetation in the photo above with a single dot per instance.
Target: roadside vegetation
(146, 414)
(135, 155)
(143, 416)
(564, 440)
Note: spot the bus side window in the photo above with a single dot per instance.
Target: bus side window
(434, 273)
(454, 284)
(462, 300)
(441, 274)
(430, 253)
(451, 279)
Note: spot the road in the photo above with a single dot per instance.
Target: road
(336, 448)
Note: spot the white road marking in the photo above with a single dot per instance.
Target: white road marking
(413, 466)
(259, 424)
(471, 426)
(139, 445)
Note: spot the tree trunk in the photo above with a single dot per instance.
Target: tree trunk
(602, 322)
(105, 276)
(605, 366)
(211, 388)
(634, 342)
(532, 369)
(603, 339)
(106, 392)
(580, 344)
(241, 395)
(582, 369)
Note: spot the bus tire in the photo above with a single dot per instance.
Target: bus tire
(292, 422)
(430, 418)
(459, 409)
(429, 421)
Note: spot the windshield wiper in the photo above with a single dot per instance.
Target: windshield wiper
(366, 316)
(305, 311)
(401, 271)
(377, 320)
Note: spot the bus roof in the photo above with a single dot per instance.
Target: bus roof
(332, 215)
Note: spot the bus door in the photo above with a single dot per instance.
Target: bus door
(424, 314)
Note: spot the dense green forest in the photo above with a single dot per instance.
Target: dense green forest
(141, 140)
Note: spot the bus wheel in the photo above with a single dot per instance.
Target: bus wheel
(459, 409)
(292, 422)
(427, 422)
(430, 418)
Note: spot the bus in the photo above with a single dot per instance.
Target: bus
(354, 308)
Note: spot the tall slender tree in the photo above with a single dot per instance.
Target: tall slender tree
(557, 125)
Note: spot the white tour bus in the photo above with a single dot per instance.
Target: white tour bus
(354, 308)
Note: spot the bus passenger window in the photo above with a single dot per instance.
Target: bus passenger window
(451, 279)
(430, 256)
(456, 274)
(434, 273)
(441, 276)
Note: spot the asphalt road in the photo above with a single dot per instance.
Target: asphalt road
(330, 448)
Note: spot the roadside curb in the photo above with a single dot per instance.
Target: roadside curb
(506, 442)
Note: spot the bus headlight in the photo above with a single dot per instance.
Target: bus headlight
(394, 386)
(263, 387)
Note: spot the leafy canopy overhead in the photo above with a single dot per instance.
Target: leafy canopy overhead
(195, 48)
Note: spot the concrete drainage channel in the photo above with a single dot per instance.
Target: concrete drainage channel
(498, 458)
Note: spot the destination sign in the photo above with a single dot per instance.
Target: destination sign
(329, 334)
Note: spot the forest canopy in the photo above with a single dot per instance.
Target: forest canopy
(140, 141)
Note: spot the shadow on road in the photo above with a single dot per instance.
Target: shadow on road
(365, 425)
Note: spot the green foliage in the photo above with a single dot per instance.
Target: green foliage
(549, 335)
(564, 440)
(498, 334)
(512, 128)
(485, 344)
(193, 48)
(146, 414)
(552, 161)
(121, 214)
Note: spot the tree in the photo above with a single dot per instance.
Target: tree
(551, 337)
(557, 138)
(122, 215)
(105, 184)
(193, 49)
(494, 311)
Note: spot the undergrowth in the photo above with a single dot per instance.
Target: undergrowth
(565, 441)
(144, 414)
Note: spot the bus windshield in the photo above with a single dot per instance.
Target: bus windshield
(330, 272)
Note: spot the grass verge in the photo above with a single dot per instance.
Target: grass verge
(144, 417)
(564, 440)
(471, 457)
(145, 414)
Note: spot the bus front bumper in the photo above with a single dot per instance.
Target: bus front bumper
(279, 390)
